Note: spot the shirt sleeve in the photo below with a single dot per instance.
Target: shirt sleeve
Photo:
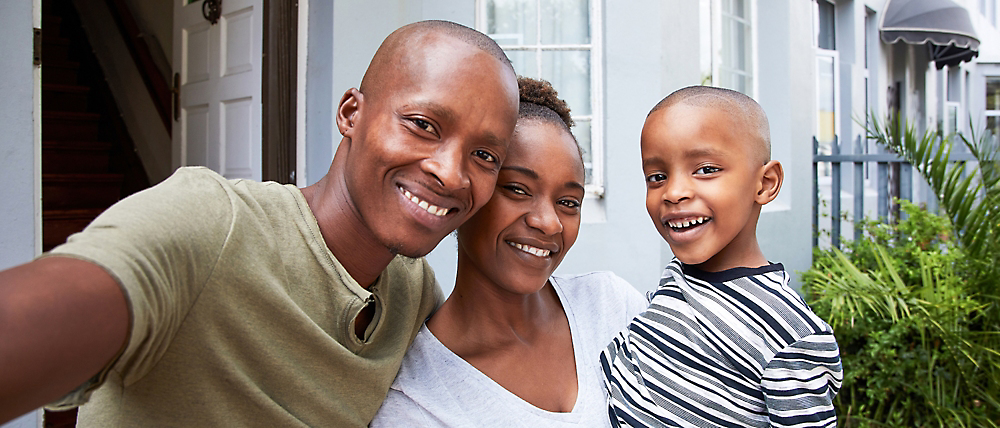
(161, 246)
(799, 383)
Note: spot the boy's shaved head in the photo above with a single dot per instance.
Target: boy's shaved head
(738, 106)
(413, 37)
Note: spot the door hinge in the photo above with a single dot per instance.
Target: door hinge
(38, 47)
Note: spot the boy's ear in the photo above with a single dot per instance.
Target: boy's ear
(771, 175)
(348, 111)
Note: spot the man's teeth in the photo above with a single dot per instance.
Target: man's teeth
(535, 251)
(433, 209)
(680, 224)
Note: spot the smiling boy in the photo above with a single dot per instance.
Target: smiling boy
(211, 302)
(724, 341)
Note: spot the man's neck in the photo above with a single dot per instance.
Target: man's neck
(346, 235)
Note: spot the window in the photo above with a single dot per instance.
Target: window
(558, 41)
(735, 46)
(993, 105)
(827, 79)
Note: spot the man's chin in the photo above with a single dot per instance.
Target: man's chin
(413, 251)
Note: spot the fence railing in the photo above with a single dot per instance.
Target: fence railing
(893, 179)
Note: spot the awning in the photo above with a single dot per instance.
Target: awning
(943, 25)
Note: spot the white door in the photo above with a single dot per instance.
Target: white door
(219, 121)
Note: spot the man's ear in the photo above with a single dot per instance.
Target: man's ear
(770, 176)
(349, 110)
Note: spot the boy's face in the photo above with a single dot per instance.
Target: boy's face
(425, 151)
(702, 177)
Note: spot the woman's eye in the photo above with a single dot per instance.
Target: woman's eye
(570, 203)
(485, 155)
(424, 125)
(655, 178)
(515, 189)
(707, 170)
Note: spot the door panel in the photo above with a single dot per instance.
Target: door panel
(220, 88)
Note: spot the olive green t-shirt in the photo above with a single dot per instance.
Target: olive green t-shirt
(240, 314)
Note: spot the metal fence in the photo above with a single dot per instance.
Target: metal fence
(893, 179)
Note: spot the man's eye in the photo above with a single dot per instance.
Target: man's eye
(655, 178)
(485, 155)
(707, 170)
(424, 125)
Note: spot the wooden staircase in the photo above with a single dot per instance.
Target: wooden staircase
(88, 161)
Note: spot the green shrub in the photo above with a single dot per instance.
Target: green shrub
(914, 305)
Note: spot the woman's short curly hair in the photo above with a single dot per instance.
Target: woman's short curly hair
(539, 100)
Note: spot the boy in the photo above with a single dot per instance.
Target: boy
(724, 341)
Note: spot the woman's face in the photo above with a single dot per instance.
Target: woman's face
(522, 234)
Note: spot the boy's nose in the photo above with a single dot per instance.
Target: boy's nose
(676, 190)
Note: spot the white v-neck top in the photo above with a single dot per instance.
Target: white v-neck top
(435, 387)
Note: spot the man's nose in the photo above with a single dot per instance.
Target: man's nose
(447, 165)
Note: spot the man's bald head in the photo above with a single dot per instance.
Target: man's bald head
(414, 36)
(741, 108)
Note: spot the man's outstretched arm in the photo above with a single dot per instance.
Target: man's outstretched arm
(61, 321)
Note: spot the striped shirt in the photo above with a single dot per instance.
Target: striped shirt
(735, 348)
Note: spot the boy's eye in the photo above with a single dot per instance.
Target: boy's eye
(707, 170)
(485, 155)
(655, 178)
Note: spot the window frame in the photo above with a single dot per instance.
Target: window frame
(596, 117)
(718, 42)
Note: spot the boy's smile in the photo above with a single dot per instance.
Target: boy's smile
(702, 183)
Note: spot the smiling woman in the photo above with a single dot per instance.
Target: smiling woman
(467, 365)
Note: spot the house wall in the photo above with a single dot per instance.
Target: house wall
(20, 147)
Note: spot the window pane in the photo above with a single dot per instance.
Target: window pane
(525, 63)
(512, 22)
(565, 21)
(569, 73)
(825, 99)
(827, 31)
(993, 126)
(582, 133)
(993, 93)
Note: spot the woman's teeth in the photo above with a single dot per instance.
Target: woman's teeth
(535, 251)
(680, 224)
(433, 209)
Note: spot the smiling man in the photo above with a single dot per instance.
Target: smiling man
(213, 302)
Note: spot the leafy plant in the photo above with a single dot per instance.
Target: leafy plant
(914, 305)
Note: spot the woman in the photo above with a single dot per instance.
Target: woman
(513, 345)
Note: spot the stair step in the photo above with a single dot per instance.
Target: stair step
(60, 97)
(67, 157)
(57, 225)
(55, 49)
(75, 191)
(59, 125)
(61, 72)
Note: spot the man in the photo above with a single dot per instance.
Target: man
(205, 301)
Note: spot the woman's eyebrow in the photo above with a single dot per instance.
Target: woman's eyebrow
(526, 171)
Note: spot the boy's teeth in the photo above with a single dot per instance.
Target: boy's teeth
(535, 251)
(687, 222)
(433, 209)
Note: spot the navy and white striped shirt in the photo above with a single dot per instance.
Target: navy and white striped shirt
(733, 348)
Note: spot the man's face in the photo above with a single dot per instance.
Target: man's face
(701, 182)
(426, 147)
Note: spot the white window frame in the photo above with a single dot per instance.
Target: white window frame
(717, 44)
(596, 116)
(834, 56)
(987, 113)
